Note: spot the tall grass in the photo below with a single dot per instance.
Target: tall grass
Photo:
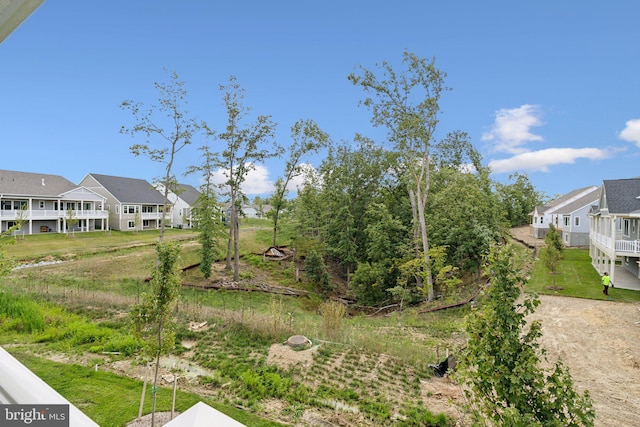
(20, 313)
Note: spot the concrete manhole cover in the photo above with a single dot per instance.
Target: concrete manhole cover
(298, 341)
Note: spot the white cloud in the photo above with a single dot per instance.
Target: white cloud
(542, 159)
(257, 180)
(511, 128)
(631, 132)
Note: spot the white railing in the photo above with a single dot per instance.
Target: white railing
(39, 214)
(630, 246)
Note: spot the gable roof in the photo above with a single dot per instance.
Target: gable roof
(33, 184)
(203, 415)
(622, 195)
(563, 200)
(587, 200)
(130, 190)
(188, 193)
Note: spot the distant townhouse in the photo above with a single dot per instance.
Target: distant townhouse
(45, 203)
(133, 204)
(183, 201)
(574, 223)
(555, 211)
(615, 228)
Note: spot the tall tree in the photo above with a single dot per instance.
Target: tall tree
(307, 138)
(464, 216)
(246, 145)
(518, 198)
(168, 129)
(407, 104)
(503, 367)
(152, 318)
(207, 213)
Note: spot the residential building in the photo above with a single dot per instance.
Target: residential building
(552, 212)
(574, 220)
(45, 203)
(183, 200)
(615, 228)
(133, 204)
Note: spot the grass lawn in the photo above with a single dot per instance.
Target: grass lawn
(577, 278)
(113, 401)
(56, 245)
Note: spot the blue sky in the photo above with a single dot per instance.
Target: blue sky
(546, 88)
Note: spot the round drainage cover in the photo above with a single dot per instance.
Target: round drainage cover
(298, 341)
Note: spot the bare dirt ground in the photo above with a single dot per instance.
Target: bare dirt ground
(600, 343)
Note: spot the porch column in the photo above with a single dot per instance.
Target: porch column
(612, 268)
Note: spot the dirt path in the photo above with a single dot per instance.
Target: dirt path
(600, 343)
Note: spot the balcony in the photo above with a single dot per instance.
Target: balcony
(622, 247)
(44, 214)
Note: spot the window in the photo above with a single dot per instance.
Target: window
(147, 209)
(566, 221)
(41, 204)
(131, 224)
(6, 205)
(633, 226)
(541, 219)
(130, 209)
(626, 227)
(145, 223)
(87, 206)
(577, 221)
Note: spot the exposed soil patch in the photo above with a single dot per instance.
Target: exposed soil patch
(600, 343)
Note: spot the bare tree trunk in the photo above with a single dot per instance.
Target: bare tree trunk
(236, 250)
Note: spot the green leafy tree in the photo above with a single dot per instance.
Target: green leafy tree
(551, 254)
(317, 272)
(170, 128)
(307, 138)
(207, 214)
(246, 145)
(153, 317)
(353, 178)
(71, 220)
(464, 216)
(502, 367)
(407, 104)
(518, 199)
(554, 238)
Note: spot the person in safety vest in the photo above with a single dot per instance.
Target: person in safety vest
(606, 282)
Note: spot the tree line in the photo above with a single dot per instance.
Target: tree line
(402, 218)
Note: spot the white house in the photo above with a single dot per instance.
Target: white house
(574, 224)
(615, 229)
(133, 204)
(553, 213)
(183, 200)
(46, 203)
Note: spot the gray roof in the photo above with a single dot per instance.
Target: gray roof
(622, 195)
(130, 190)
(188, 193)
(33, 184)
(587, 200)
(562, 199)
